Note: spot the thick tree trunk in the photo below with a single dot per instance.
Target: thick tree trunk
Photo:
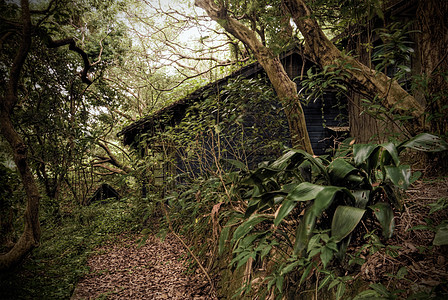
(432, 41)
(363, 79)
(286, 89)
(31, 234)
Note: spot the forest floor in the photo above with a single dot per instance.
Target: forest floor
(142, 268)
(410, 263)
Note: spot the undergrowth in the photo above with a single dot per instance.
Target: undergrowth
(68, 239)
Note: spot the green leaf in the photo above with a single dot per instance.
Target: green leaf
(314, 242)
(260, 175)
(325, 281)
(286, 207)
(247, 226)
(441, 203)
(400, 176)
(392, 151)
(340, 290)
(290, 267)
(361, 197)
(369, 294)
(425, 142)
(363, 152)
(339, 169)
(235, 163)
(344, 221)
(223, 238)
(306, 273)
(326, 255)
(304, 230)
(385, 216)
(284, 160)
(279, 283)
(441, 237)
(325, 197)
(379, 288)
(304, 192)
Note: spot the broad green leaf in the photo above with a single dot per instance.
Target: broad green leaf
(333, 246)
(304, 192)
(286, 207)
(268, 198)
(425, 142)
(260, 175)
(363, 152)
(385, 216)
(325, 197)
(315, 161)
(314, 252)
(304, 230)
(344, 221)
(333, 283)
(253, 206)
(284, 160)
(400, 176)
(361, 198)
(392, 151)
(339, 169)
(441, 237)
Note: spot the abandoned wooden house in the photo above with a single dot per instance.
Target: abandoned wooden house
(252, 125)
(256, 123)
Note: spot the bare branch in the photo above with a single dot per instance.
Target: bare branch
(109, 168)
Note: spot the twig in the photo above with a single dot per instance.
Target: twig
(189, 250)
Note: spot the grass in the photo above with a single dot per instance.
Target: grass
(52, 270)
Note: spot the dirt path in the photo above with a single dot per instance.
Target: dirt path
(155, 270)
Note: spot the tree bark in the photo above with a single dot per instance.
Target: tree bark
(285, 88)
(362, 79)
(31, 234)
(432, 41)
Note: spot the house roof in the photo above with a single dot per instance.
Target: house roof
(176, 110)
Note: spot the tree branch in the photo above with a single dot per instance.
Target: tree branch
(72, 46)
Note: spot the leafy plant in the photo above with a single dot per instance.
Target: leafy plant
(312, 206)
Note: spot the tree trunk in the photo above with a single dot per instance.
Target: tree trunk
(432, 41)
(363, 79)
(31, 234)
(285, 88)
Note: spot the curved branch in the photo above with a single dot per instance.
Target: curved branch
(72, 46)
